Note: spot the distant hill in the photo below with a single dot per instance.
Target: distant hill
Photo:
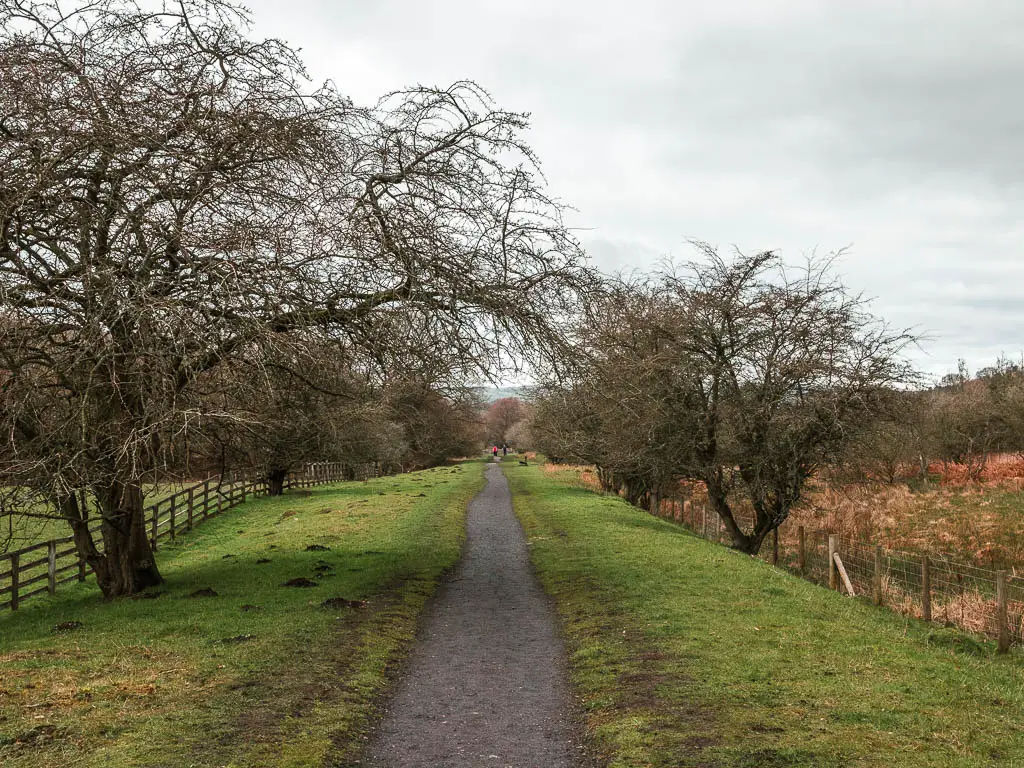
(490, 394)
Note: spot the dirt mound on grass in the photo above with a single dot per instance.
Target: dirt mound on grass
(300, 582)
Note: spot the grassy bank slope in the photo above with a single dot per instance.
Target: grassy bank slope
(257, 674)
(688, 654)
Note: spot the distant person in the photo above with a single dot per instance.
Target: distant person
(494, 451)
(504, 449)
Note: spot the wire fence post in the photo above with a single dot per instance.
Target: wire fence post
(926, 589)
(833, 573)
(801, 550)
(876, 578)
(1001, 613)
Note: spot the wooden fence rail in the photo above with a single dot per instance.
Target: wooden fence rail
(42, 568)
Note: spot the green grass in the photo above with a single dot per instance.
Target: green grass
(18, 531)
(684, 653)
(259, 675)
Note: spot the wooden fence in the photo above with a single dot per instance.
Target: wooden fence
(42, 568)
(929, 586)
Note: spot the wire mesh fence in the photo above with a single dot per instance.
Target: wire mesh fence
(929, 586)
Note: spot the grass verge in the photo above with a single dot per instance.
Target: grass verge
(225, 666)
(685, 653)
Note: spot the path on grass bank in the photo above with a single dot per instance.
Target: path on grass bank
(486, 682)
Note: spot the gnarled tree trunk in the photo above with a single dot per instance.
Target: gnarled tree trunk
(126, 564)
(275, 481)
(743, 542)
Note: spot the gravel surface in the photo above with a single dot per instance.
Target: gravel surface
(486, 682)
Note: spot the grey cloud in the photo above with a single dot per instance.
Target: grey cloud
(792, 124)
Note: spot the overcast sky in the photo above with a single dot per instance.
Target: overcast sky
(895, 127)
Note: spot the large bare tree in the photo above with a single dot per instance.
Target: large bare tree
(741, 373)
(174, 197)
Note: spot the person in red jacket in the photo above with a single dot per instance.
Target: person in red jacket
(494, 451)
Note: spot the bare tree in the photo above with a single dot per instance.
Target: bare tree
(289, 404)
(616, 405)
(501, 416)
(436, 425)
(742, 374)
(965, 420)
(173, 197)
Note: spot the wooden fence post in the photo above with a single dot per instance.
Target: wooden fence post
(153, 524)
(801, 552)
(926, 588)
(704, 521)
(1003, 643)
(775, 546)
(876, 579)
(191, 499)
(688, 513)
(173, 520)
(15, 579)
(833, 573)
(189, 521)
(51, 567)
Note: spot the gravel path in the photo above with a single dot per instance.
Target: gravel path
(486, 682)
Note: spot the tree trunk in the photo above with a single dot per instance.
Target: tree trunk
(747, 543)
(127, 564)
(635, 491)
(275, 481)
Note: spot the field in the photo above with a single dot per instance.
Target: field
(977, 523)
(17, 531)
(980, 523)
(685, 653)
(225, 665)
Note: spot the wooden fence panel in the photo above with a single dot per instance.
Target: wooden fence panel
(184, 509)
